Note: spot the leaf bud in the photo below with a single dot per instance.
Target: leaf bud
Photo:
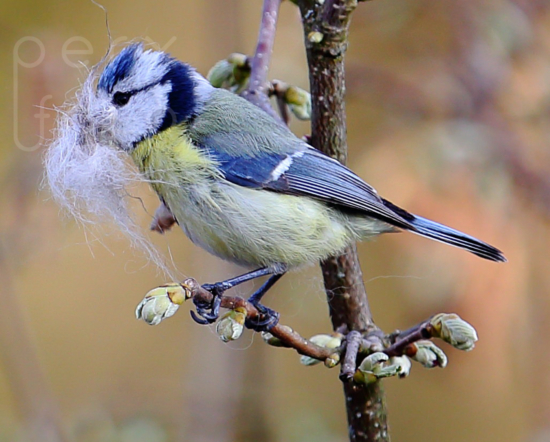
(231, 325)
(454, 330)
(322, 340)
(427, 353)
(378, 365)
(161, 303)
(299, 102)
(273, 340)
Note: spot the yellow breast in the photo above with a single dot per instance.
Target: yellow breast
(171, 162)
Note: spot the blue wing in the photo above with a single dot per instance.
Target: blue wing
(310, 173)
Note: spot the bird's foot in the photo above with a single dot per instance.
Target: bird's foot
(265, 321)
(208, 312)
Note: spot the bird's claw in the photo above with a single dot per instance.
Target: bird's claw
(199, 319)
(265, 321)
(208, 312)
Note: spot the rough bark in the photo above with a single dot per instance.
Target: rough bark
(326, 29)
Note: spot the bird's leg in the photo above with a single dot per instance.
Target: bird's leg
(207, 313)
(268, 318)
(163, 219)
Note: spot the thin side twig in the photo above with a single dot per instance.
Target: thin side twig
(403, 339)
(256, 92)
(286, 335)
(349, 364)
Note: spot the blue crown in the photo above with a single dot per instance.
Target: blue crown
(120, 67)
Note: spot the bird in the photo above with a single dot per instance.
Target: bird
(241, 185)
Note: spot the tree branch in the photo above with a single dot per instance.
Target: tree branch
(349, 364)
(256, 92)
(285, 334)
(401, 340)
(326, 29)
(350, 349)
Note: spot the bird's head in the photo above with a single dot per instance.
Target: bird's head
(138, 94)
(147, 92)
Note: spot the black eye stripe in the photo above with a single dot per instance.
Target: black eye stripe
(122, 98)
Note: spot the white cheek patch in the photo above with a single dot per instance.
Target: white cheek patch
(87, 174)
(142, 115)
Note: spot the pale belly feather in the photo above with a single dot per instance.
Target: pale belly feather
(257, 228)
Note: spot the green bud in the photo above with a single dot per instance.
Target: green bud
(238, 60)
(427, 353)
(322, 340)
(333, 360)
(220, 74)
(231, 73)
(299, 102)
(454, 330)
(370, 367)
(308, 361)
(270, 339)
(373, 362)
(327, 341)
(161, 303)
(231, 325)
(378, 365)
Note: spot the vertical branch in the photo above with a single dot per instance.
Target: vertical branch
(326, 29)
(346, 294)
(256, 92)
(326, 26)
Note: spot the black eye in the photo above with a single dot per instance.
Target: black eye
(121, 98)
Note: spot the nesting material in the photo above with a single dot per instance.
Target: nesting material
(88, 176)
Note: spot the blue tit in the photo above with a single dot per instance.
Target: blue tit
(240, 185)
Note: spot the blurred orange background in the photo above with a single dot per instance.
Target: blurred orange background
(448, 117)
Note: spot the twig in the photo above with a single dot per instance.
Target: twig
(355, 342)
(256, 92)
(287, 336)
(277, 89)
(349, 365)
(403, 339)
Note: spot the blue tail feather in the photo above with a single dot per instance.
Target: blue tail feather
(445, 234)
